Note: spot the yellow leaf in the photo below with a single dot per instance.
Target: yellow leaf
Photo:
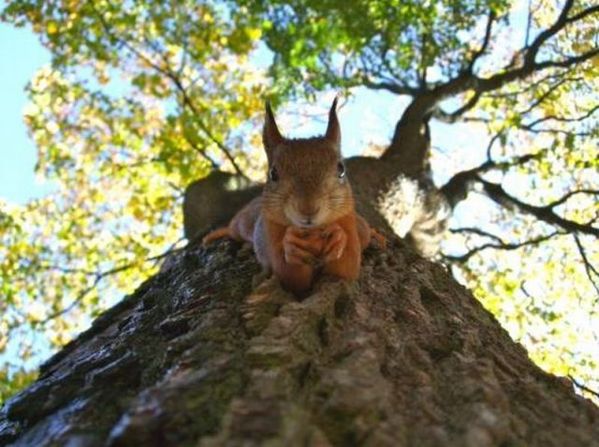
(51, 27)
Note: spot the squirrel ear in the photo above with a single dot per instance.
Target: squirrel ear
(333, 132)
(271, 137)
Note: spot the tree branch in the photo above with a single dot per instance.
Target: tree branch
(550, 90)
(563, 199)
(501, 245)
(565, 63)
(452, 117)
(533, 49)
(589, 113)
(579, 385)
(468, 81)
(408, 131)
(582, 14)
(485, 44)
(544, 213)
(99, 276)
(200, 151)
(390, 87)
(477, 231)
(456, 189)
(589, 268)
(528, 23)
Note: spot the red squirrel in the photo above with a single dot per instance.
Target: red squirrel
(305, 221)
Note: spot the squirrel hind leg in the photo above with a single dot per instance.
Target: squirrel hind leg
(219, 233)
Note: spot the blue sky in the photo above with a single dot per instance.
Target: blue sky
(21, 55)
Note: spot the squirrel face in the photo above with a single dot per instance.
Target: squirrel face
(307, 185)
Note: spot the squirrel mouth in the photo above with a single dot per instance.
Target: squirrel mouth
(304, 223)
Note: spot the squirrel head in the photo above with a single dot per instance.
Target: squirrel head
(307, 184)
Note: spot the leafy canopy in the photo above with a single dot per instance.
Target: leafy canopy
(329, 43)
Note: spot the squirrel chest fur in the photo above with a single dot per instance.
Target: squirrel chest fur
(304, 223)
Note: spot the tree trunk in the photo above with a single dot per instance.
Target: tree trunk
(198, 357)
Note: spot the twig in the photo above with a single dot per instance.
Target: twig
(560, 118)
(478, 232)
(590, 270)
(485, 43)
(502, 246)
(99, 276)
(499, 195)
(582, 386)
(178, 85)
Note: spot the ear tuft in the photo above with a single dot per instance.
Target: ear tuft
(271, 137)
(333, 132)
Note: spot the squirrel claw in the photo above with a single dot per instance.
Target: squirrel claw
(216, 234)
(381, 240)
(336, 243)
(299, 250)
(303, 241)
(296, 256)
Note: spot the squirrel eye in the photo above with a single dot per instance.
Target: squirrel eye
(340, 170)
(273, 174)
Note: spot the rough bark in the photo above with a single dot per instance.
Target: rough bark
(198, 357)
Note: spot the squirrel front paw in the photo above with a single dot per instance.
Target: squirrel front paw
(301, 247)
(335, 242)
